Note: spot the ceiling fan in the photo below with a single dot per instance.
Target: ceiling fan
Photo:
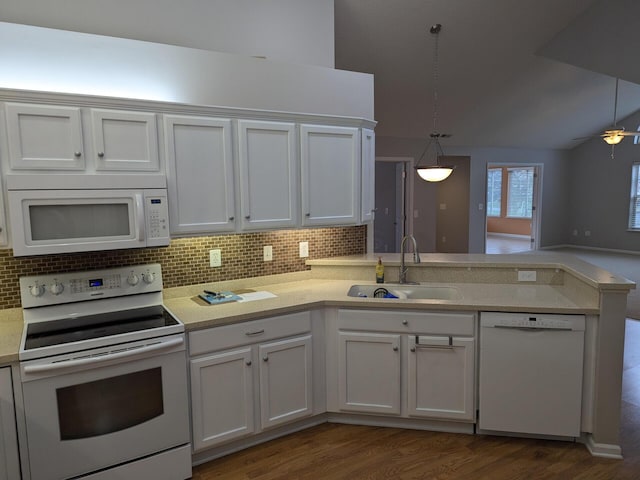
(615, 134)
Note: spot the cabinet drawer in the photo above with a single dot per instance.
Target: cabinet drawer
(244, 333)
(455, 323)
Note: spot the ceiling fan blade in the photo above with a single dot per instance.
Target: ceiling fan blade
(630, 134)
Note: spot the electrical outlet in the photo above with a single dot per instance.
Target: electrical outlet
(215, 258)
(587, 233)
(526, 275)
(304, 249)
(267, 253)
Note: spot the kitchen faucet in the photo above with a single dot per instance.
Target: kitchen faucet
(416, 258)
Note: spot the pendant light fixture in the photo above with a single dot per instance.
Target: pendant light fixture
(434, 172)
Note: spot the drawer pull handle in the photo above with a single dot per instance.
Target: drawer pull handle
(265, 358)
(395, 348)
(257, 332)
(248, 362)
(405, 322)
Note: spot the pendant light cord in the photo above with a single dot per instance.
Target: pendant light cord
(435, 29)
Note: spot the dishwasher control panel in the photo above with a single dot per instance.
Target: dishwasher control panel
(529, 320)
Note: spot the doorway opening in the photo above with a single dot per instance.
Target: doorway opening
(394, 198)
(512, 208)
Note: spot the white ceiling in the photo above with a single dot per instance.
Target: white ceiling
(499, 85)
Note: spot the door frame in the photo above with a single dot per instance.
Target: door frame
(407, 205)
(536, 211)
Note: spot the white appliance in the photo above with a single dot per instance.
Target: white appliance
(104, 377)
(52, 214)
(530, 375)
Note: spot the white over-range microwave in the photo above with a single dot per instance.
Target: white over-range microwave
(81, 213)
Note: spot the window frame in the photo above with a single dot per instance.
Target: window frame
(634, 199)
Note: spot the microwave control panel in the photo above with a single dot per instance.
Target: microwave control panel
(157, 217)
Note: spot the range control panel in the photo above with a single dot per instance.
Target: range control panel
(55, 289)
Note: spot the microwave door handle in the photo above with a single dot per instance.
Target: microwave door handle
(139, 216)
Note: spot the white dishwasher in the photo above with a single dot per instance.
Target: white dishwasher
(530, 373)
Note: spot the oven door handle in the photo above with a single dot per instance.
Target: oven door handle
(106, 357)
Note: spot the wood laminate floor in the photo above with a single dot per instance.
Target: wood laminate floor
(337, 452)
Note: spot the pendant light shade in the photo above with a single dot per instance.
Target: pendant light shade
(433, 171)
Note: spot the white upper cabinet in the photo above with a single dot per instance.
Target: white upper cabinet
(368, 171)
(42, 137)
(200, 174)
(126, 141)
(330, 172)
(268, 174)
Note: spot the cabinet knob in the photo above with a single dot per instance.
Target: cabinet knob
(231, 219)
(248, 362)
(247, 217)
(395, 348)
(265, 359)
(307, 214)
(77, 154)
(405, 322)
(101, 154)
(413, 349)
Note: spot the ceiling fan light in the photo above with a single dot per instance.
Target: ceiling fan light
(613, 139)
(435, 173)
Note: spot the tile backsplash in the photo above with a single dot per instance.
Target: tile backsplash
(186, 260)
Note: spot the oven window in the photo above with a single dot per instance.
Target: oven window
(59, 222)
(109, 405)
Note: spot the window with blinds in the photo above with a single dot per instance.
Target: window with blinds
(520, 193)
(634, 204)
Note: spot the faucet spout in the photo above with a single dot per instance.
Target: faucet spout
(416, 257)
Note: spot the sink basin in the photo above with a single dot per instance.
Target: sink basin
(424, 292)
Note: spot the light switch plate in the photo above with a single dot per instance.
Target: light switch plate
(267, 253)
(304, 249)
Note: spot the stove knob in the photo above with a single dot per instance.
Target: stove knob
(133, 279)
(149, 277)
(56, 288)
(36, 290)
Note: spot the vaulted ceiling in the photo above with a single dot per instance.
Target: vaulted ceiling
(512, 73)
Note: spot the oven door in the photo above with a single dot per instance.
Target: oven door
(105, 407)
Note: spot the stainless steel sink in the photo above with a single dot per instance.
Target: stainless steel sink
(424, 292)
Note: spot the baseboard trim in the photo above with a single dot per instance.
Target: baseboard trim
(603, 450)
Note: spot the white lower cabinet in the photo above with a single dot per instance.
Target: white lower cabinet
(245, 389)
(369, 372)
(404, 363)
(9, 460)
(440, 377)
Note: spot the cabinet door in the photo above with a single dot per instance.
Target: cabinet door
(286, 389)
(330, 163)
(367, 194)
(9, 462)
(441, 372)
(125, 140)
(221, 397)
(268, 173)
(44, 137)
(369, 372)
(200, 174)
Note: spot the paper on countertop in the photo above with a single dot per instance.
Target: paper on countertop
(249, 297)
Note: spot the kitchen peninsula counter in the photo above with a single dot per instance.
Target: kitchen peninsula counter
(564, 284)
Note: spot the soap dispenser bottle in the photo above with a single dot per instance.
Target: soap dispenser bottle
(379, 271)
